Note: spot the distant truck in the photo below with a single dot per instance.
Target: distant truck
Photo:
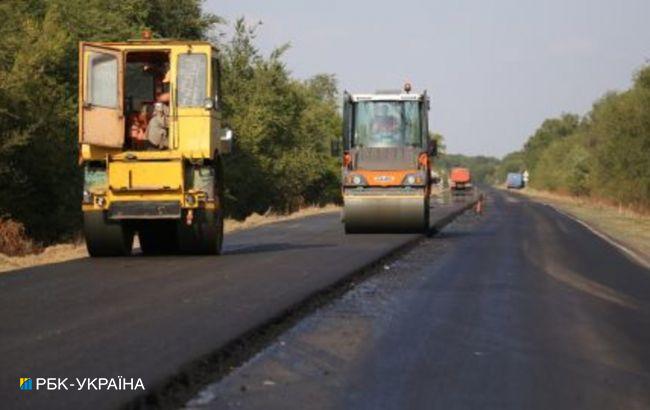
(460, 179)
(514, 180)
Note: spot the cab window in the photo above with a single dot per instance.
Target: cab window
(102, 80)
(191, 80)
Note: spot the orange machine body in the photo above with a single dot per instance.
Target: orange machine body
(460, 178)
(388, 178)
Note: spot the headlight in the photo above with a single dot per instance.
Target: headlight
(413, 179)
(87, 197)
(101, 201)
(355, 180)
(189, 199)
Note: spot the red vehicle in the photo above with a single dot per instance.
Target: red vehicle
(460, 179)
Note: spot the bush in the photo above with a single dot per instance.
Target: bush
(564, 166)
(13, 239)
(284, 130)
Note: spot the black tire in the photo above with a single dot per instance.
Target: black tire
(105, 237)
(204, 236)
(427, 212)
(348, 229)
(158, 237)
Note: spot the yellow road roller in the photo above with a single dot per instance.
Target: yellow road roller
(386, 162)
(150, 146)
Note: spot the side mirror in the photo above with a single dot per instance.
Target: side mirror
(225, 142)
(208, 103)
(211, 103)
(432, 148)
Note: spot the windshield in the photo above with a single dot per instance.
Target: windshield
(387, 124)
(192, 73)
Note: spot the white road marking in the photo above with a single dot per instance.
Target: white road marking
(627, 251)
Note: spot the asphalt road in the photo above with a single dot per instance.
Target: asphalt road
(148, 317)
(523, 308)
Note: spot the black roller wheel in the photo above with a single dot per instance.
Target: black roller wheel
(427, 218)
(105, 237)
(204, 236)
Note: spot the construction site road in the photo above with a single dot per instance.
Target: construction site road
(520, 308)
(152, 318)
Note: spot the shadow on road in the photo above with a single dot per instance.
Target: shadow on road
(272, 247)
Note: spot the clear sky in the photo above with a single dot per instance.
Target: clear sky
(494, 69)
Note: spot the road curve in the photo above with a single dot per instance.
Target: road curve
(147, 317)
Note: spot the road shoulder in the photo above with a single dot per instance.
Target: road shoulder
(627, 231)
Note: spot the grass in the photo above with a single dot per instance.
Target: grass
(627, 227)
(77, 249)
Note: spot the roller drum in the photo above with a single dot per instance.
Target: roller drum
(385, 214)
(105, 237)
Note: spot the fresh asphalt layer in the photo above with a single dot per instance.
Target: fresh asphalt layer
(149, 317)
(522, 308)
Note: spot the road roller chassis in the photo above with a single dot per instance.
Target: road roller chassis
(183, 220)
(386, 164)
(151, 147)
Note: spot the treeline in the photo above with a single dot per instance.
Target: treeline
(482, 168)
(283, 126)
(284, 129)
(604, 154)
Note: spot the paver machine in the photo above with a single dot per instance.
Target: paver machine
(386, 162)
(150, 145)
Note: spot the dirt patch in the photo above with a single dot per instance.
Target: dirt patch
(75, 250)
(51, 254)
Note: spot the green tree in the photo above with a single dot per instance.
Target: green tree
(606, 154)
(619, 137)
(482, 168)
(513, 162)
(284, 130)
(551, 130)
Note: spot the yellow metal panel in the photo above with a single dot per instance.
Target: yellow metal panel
(194, 133)
(146, 155)
(115, 196)
(145, 176)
